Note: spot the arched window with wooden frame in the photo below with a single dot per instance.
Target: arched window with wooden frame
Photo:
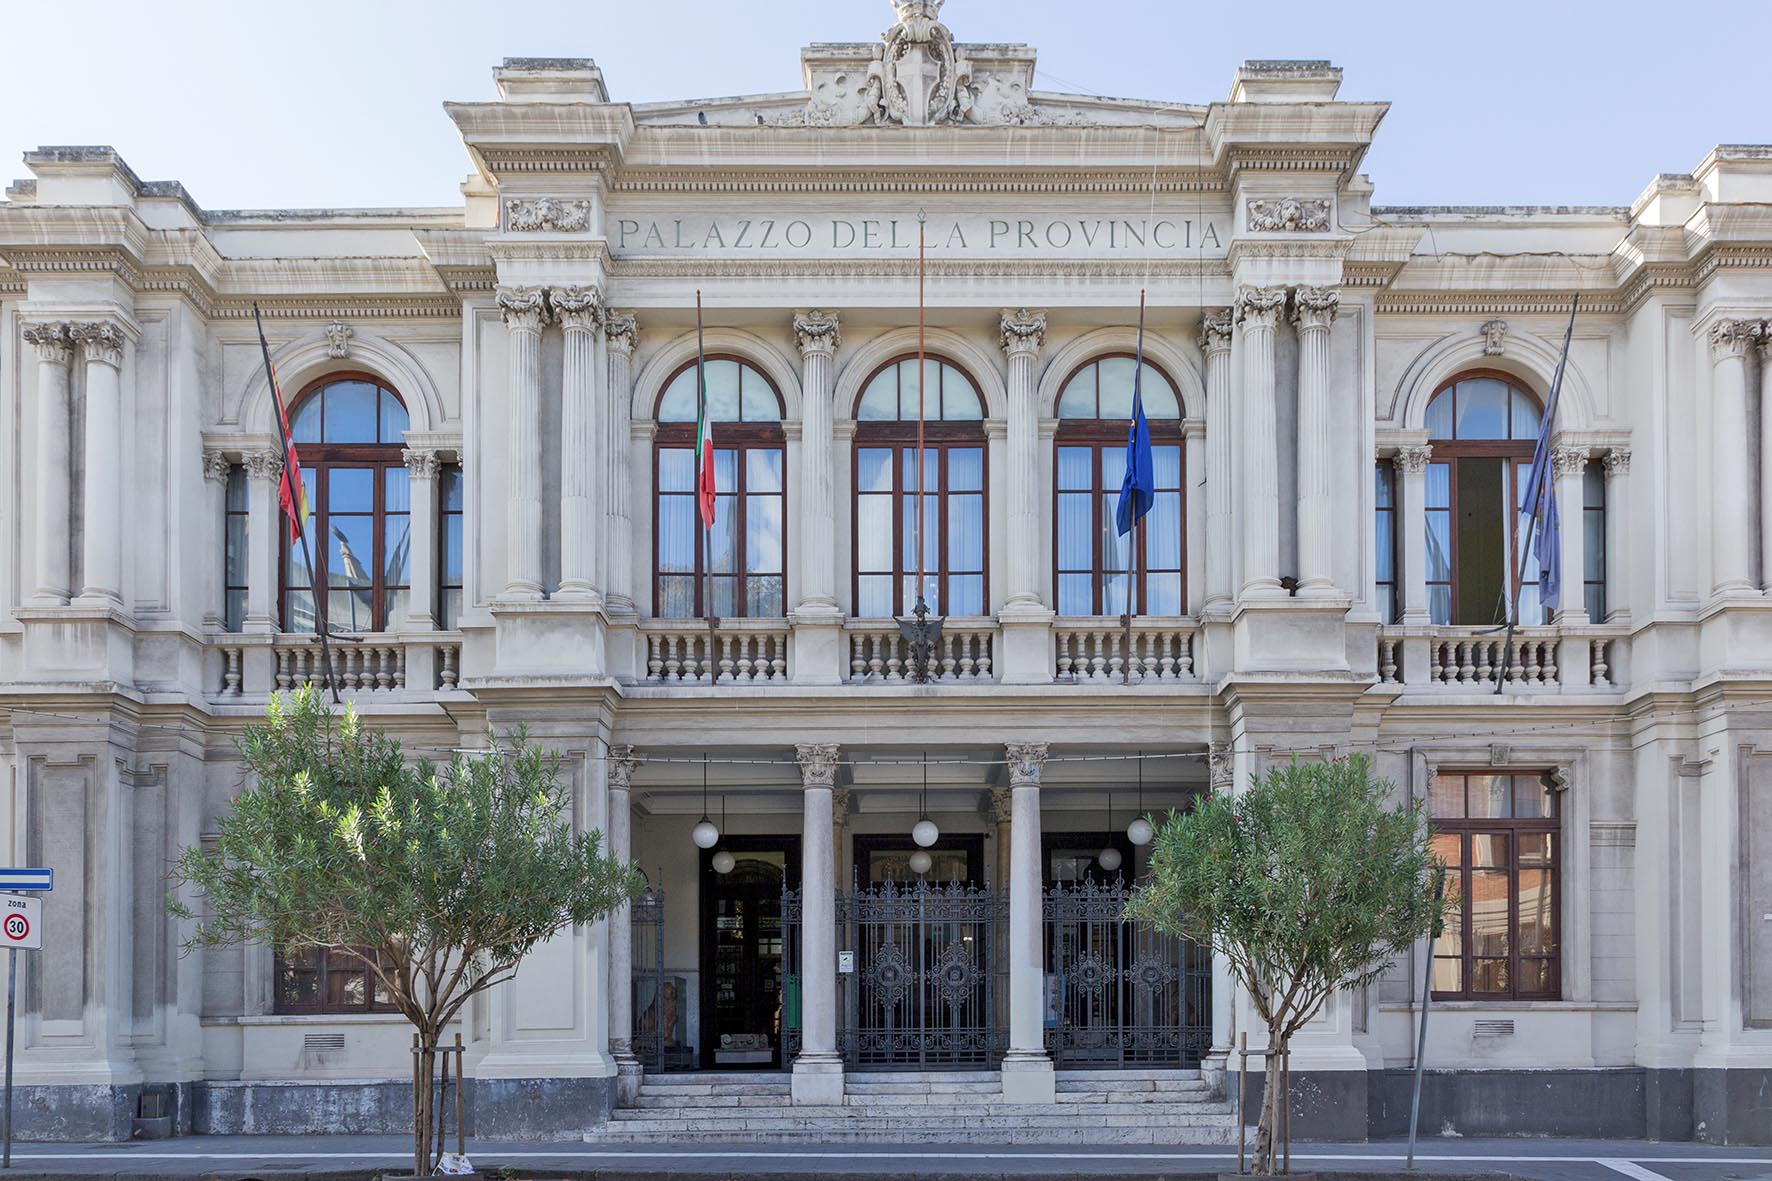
(955, 518)
(747, 548)
(349, 430)
(1092, 562)
(1482, 425)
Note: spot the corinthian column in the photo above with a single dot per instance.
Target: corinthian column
(1731, 520)
(582, 452)
(1313, 311)
(264, 534)
(1027, 1068)
(1617, 531)
(525, 311)
(54, 451)
(421, 599)
(1215, 342)
(817, 333)
(818, 1071)
(621, 928)
(1258, 311)
(1763, 337)
(620, 333)
(1022, 333)
(1569, 467)
(102, 549)
(1411, 467)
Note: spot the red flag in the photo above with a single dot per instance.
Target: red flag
(292, 494)
(704, 433)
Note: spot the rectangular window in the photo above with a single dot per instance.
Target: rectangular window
(322, 980)
(1092, 558)
(742, 560)
(451, 505)
(887, 533)
(236, 522)
(1497, 832)
(1385, 548)
(1593, 540)
(1437, 510)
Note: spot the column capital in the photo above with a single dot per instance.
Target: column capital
(101, 341)
(216, 466)
(1022, 332)
(622, 331)
(1617, 461)
(1568, 459)
(1220, 768)
(1413, 461)
(1731, 338)
(1315, 307)
(818, 763)
(264, 465)
(621, 767)
(421, 463)
(1260, 307)
(1215, 331)
(1026, 761)
(578, 308)
(53, 341)
(525, 309)
(816, 331)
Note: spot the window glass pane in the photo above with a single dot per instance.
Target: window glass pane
(873, 469)
(1534, 848)
(676, 469)
(1489, 976)
(350, 490)
(1159, 396)
(298, 982)
(235, 610)
(394, 421)
(965, 469)
(677, 534)
(396, 549)
(1538, 975)
(874, 596)
(451, 607)
(1387, 549)
(351, 610)
(723, 400)
(1451, 940)
(1162, 593)
(1113, 593)
(1166, 466)
(1076, 468)
(1526, 418)
(1537, 926)
(965, 533)
(235, 500)
(722, 538)
(1533, 796)
(763, 536)
(966, 594)
(1439, 604)
(679, 401)
(764, 598)
(298, 611)
(1162, 533)
(304, 424)
(1113, 471)
(676, 596)
(1439, 416)
(873, 533)
(1593, 601)
(1482, 409)
(396, 490)
(725, 471)
(1490, 795)
(452, 552)
(1116, 549)
(1439, 486)
(959, 402)
(394, 608)
(1488, 849)
(725, 593)
(234, 562)
(762, 470)
(1445, 797)
(1448, 974)
(879, 402)
(350, 548)
(1447, 846)
(758, 401)
(1385, 498)
(1078, 399)
(930, 390)
(1489, 907)
(350, 412)
(1116, 387)
(1076, 535)
(449, 490)
(1076, 594)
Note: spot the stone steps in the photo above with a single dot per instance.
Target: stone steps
(1006, 1132)
(928, 1111)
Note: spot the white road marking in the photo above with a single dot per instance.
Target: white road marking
(1628, 1168)
(1634, 1171)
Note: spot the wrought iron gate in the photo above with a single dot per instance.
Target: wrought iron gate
(1121, 994)
(660, 1004)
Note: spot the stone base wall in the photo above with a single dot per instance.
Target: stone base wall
(519, 1109)
(60, 1114)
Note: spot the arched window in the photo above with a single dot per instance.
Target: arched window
(746, 548)
(1092, 559)
(885, 520)
(1482, 426)
(349, 430)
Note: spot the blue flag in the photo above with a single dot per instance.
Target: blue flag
(1542, 523)
(1138, 490)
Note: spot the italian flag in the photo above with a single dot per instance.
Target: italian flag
(704, 432)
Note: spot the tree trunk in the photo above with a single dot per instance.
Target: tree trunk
(424, 1072)
(1267, 1132)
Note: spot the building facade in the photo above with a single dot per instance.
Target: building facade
(495, 405)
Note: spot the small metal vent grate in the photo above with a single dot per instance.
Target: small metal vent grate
(320, 1043)
(1503, 1028)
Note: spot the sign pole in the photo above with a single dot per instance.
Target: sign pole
(11, 1004)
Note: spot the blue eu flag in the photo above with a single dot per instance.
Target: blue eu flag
(1138, 491)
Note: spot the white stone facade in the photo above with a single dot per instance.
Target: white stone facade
(529, 332)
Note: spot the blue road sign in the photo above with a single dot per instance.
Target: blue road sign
(27, 879)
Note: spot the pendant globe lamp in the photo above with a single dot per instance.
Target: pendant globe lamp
(921, 862)
(723, 860)
(1109, 857)
(925, 832)
(704, 834)
(1140, 832)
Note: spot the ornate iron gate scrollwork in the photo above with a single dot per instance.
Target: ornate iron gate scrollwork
(1121, 994)
(660, 1013)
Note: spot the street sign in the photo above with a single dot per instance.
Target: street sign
(21, 922)
(27, 879)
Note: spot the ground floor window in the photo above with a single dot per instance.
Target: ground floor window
(327, 980)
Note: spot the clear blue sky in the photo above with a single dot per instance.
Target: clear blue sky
(256, 103)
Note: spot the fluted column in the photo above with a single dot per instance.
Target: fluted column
(525, 311)
(51, 576)
(1215, 343)
(101, 554)
(583, 453)
(1313, 311)
(818, 1071)
(1411, 467)
(1027, 1068)
(1258, 311)
(1732, 532)
(621, 332)
(621, 926)
(1763, 338)
(1618, 525)
(1220, 781)
(1022, 333)
(1569, 466)
(216, 469)
(817, 333)
(264, 534)
(421, 597)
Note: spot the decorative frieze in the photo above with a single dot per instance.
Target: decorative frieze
(1022, 332)
(530, 215)
(817, 332)
(1288, 215)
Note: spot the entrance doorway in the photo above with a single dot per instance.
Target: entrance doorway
(741, 951)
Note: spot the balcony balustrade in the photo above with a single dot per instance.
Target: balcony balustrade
(1567, 658)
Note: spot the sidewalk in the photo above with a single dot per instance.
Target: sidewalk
(353, 1158)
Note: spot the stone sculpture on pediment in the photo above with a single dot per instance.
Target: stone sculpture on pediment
(921, 68)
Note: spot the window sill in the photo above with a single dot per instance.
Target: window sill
(275, 1019)
(1513, 1006)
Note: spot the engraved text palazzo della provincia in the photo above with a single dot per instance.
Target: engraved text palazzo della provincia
(1137, 235)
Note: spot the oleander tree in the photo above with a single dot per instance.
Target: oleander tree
(1308, 883)
(438, 878)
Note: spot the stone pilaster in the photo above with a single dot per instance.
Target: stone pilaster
(1215, 343)
(422, 465)
(1411, 466)
(1617, 531)
(1763, 343)
(1731, 517)
(101, 343)
(1313, 312)
(1258, 312)
(584, 450)
(818, 1071)
(1569, 466)
(818, 337)
(621, 930)
(621, 331)
(264, 534)
(216, 468)
(1022, 333)
(54, 447)
(525, 312)
(1027, 1068)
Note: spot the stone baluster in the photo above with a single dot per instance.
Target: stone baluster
(1617, 531)
(525, 312)
(817, 333)
(1731, 520)
(621, 929)
(422, 465)
(101, 342)
(1258, 312)
(1027, 1068)
(54, 449)
(1313, 311)
(818, 1071)
(265, 532)
(1022, 333)
(621, 332)
(1215, 342)
(583, 452)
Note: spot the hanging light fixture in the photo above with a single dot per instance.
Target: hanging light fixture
(1140, 832)
(921, 862)
(723, 860)
(1109, 857)
(924, 832)
(704, 834)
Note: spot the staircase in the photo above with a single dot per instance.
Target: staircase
(1094, 1107)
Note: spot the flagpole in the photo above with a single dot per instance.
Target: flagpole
(921, 363)
(307, 548)
(1138, 521)
(707, 529)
